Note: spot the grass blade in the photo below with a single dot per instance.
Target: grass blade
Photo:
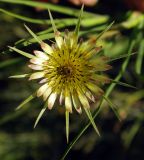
(56, 8)
(120, 57)
(27, 19)
(122, 84)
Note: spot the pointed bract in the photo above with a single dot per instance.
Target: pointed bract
(77, 28)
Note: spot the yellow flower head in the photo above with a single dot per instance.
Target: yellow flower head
(69, 71)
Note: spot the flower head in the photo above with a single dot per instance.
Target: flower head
(69, 71)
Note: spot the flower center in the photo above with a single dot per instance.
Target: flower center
(64, 70)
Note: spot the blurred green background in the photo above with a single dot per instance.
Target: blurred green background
(120, 140)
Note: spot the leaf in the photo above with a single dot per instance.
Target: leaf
(19, 76)
(67, 125)
(140, 56)
(77, 28)
(106, 29)
(27, 19)
(33, 34)
(91, 120)
(40, 115)
(26, 101)
(113, 107)
(120, 57)
(22, 52)
(122, 84)
(57, 8)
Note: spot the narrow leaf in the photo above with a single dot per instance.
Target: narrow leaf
(77, 28)
(91, 120)
(113, 107)
(140, 56)
(61, 9)
(121, 56)
(33, 34)
(27, 19)
(67, 125)
(123, 84)
(40, 115)
(22, 52)
(26, 101)
(19, 76)
(106, 29)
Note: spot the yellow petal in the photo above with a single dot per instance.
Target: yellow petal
(100, 79)
(46, 48)
(76, 103)
(90, 96)
(68, 104)
(47, 93)
(83, 99)
(61, 98)
(37, 61)
(43, 80)
(35, 67)
(42, 89)
(51, 100)
(95, 89)
(37, 75)
(41, 55)
(59, 39)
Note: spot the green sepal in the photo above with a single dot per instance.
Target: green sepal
(77, 28)
(105, 30)
(40, 115)
(32, 96)
(19, 76)
(91, 120)
(67, 125)
(22, 52)
(52, 22)
(33, 34)
(113, 107)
